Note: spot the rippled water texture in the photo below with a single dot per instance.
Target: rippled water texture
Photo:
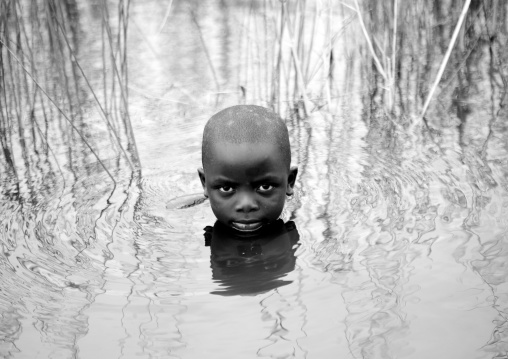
(397, 240)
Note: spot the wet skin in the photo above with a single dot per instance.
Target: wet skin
(247, 184)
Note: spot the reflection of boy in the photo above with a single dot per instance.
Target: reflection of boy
(254, 264)
(246, 170)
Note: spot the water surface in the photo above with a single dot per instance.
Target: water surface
(401, 222)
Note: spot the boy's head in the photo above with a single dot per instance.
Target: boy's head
(246, 166)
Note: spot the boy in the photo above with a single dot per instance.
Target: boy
(246, 170)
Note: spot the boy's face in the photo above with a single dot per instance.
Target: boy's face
(247, 184)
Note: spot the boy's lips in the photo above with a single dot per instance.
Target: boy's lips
(247, 227)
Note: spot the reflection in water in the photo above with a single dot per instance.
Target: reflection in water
(402, 224)
(255, 264)
(61, 185)
(55, 272)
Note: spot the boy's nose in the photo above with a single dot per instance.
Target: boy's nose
(246, 203)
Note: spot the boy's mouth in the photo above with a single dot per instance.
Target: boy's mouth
(247, 227)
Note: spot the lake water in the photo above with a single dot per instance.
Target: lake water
(399, 247)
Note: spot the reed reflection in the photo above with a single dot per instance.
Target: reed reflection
(251, 265)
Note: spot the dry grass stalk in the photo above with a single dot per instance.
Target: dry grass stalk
(379, 67)
(59, 110)
(205, 49)
(102, 112)
(120, 55)
(297, 63)
(394, 38)
(446, 57)
(166, 16)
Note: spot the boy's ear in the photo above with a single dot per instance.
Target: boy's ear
(293, 171)
(201, 174)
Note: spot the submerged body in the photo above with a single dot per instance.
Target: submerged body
(253, 265)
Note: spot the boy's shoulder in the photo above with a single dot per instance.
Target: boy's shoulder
(277, 229)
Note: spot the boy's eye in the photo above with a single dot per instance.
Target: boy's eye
(226, 189)
(265, 188)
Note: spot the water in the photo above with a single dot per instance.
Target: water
(402, 223)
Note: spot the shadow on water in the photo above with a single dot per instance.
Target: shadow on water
(402, 232)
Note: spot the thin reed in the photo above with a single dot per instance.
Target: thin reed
(292, 55)
(295, 64)
(446, 57)
(47, 93)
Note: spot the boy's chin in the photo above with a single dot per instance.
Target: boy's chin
(247, 230)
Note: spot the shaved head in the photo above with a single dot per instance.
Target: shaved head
(246, 124)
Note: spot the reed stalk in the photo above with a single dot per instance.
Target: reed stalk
(102, 112)
(59, 110)
(394, 40)
(205, 49)
(297, 63)
(166, 16)
(379, 67)
(446, 57)
(329, 48)
(327, 56)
